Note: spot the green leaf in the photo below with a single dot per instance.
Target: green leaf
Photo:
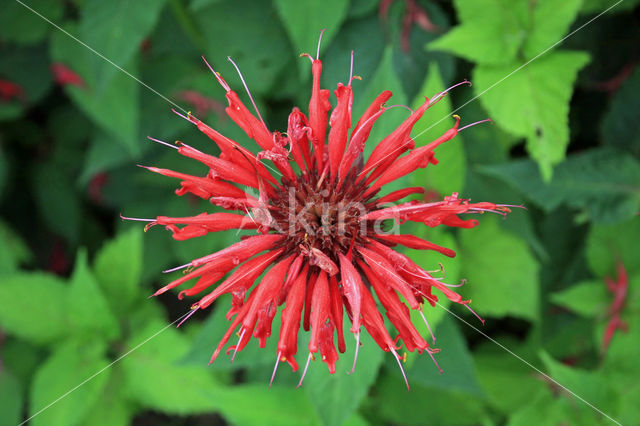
(118, 267)
(113, 107)
(608, 244)
(591, 386)
(454, 359)
(10, 399)
(67, 367)
(58, 204)
(491, 32)
(153, 379)
(601, 181)
(304, 21)
(533, 102)
(116, 29)
(280, 405)
(112, 408)
(37, 306)
(507, 382)
(22, 26)
(392, 404)
(620, 125)
(341, 391)
(586, 298)
(13, 250)
(449, 175)
(252, 35)
(87, 305)
(502, 272)
(550, 21)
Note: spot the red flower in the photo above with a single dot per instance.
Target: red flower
(63, 75)
(321, 237)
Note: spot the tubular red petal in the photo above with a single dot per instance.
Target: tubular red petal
(318, 107)
(385, 270)
(242, 250)
(351, 284)
(414, 242)
(298, 130)
(290, 323)
(211, 222)
(399, 194)
(340, 123)
(373, 109)
(251, 125)
(336, 311)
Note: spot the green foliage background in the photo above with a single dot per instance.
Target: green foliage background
(74, 279)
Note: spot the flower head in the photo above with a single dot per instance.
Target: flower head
(322, 239)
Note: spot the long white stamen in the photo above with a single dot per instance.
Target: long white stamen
(320, 42)
(177, 268)
(473, 124)
(304, 373)
(247, 90)
(223, 83)
(235, 350)
(433, 337)
(162, 142)
(275, 368)
(401, 368)
(355, 356)
(193, 311)
(444, 92)
(137, 219)
(434, 361)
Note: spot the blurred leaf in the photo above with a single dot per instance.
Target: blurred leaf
(38, 311)
(252, 35)
(341, 391)
(608, 244)
(367, 51)
(114, 107)
(67, 367)
(154, 380)
(601, 181)
(490, 32)
(10, 399)
(22, 26)
(29, 68)
(359, 8)
(549, 22)
(620, 126)
(392, 404)
(587, 298)
(305, 20)
(253, 404)
(58, 204)
(102, 156)
(449, 175)
(507, 382)
(533, 102)
(118, 267)
(112, 409)
(454, 359)
(13, 250)
(87, 306)
(116, 29)
(502, 272)
(591, 386)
